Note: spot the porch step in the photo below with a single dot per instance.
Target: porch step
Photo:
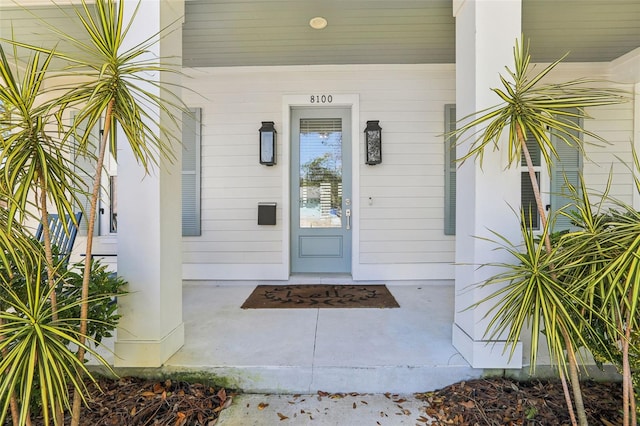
(406, 349)
(304, 380)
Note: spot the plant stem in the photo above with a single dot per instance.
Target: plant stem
(84, 308)
(573, 370)
(575, 381)
(13, 402)
(627, 385)
(567, 396)
(48, 252)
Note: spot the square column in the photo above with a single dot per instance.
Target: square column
(150, 216)
(486, 32)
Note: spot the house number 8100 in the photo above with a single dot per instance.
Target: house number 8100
(321, 99)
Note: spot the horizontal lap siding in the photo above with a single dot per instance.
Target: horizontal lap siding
(403, 223)
(402, 200)
(401, 214)
(233, 182)
(614, 124)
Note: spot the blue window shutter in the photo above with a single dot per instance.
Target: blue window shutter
(84, 163)
(566, 170)
(527, 196)
(449, 170)
(191, 138)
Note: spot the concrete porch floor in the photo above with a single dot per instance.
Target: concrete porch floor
(407, 349)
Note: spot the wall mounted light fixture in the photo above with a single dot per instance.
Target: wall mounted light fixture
(267, 143)
(373, 142)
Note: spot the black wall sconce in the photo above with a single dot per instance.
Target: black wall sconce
(267, 143)
(373, 142)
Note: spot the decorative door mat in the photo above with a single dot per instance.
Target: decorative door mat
(320, 296)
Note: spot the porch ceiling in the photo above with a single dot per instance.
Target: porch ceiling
(276, 32)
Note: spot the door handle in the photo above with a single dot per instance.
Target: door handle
(348, 214)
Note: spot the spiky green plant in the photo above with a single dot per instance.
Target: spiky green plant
(32, 161)
(603, 257)
(529, 107)
(34, 348)
(111, 85)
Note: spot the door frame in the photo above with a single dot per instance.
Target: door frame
(325, 99)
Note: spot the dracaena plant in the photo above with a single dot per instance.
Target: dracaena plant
(36, 360)
(602, 257)
(111, 86)
(530, 108)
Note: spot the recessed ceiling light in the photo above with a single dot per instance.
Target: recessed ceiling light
(318, 23)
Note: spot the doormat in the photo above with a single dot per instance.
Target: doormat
(320, 296)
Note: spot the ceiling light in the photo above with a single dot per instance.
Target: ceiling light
(318, 23)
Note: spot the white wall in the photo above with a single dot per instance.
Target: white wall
(401, 228)
(614, 124)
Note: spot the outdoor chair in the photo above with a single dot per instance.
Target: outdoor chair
(60, 238)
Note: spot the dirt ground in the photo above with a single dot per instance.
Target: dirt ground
(496, 401)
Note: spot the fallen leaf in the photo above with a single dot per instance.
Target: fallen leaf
(354, 405)
(222, 395)
(262, 406)
(227, 403)
(364, 402)
(423, 419)
(181, 418)
(468, 404)
(148, 394)
(133, 411)
(282, 416)
(158, 388)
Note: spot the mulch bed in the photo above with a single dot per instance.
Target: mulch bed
(496, 401)
(499, 401)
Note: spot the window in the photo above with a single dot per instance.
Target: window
(565, 171)
(85, 168)
(449, 170)
(191, 140)
(527, 197)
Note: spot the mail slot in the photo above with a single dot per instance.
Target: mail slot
(267, 213)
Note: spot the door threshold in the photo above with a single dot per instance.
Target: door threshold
(321, 278)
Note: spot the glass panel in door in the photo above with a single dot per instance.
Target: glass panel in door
(321, 190)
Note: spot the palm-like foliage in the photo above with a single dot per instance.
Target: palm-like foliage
(531, 108)
(603, 257)
(34, 347)
(29, 155)
(112, 85)
(32, 161)
(532, 298)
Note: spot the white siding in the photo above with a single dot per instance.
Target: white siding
(401, 204)
(615, 125)
(401, 200)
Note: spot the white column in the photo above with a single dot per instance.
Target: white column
(486, 32)
(149, 219)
